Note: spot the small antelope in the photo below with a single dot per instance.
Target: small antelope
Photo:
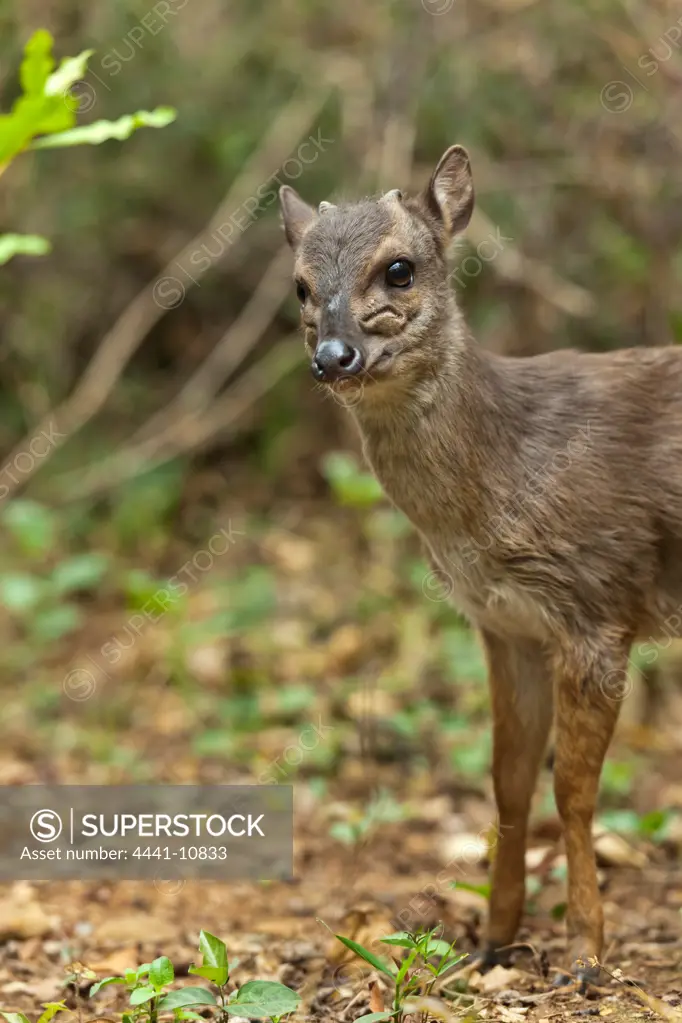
(548, 491)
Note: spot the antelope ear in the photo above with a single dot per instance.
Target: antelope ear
(450, 194)
(297, 215)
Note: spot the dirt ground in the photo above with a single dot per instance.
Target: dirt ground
(275, 931)
(393, 810)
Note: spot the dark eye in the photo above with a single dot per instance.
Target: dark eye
(400, 274)
(301, 292)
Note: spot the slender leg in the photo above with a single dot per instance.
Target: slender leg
(586, 713)
(521, 696)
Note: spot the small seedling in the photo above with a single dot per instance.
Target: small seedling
(150, 996)
(382, 809)
(426, 959)
(50, 1011)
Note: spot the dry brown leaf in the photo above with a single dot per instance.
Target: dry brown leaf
(22, 917)
(613, 851)
(376, 997)
(133, 928)
(434, 1007)
(117, 963)
(507, 1015)
(495, 980)
(466, 849)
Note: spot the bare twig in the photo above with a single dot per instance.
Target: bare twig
(511, 264)
(233, 348)
(118, 346)
(187, 433)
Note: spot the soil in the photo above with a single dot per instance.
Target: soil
(416, 863)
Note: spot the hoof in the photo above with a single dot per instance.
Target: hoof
(490, 957)
(582, 974)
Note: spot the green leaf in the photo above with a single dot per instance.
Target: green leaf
(80, 572)
(258, 998)
(22, 245)
(161, 972)
(558, 911)
(34, 112)
(32, 525)
(52, 623)
(101, 131)
(350, 484)
(142, 994)
(437, 947)
(344, 831)
(214, 962)
(51, 1009)
(105, 983)
(382, 965)
(405, 965)
(624, 821)
(450, 961)
(20, 592)
(71, 70)
(654, 824)
(401, 938)
(15, 1017)
(477, 889)
(187, 996)
(37, 63)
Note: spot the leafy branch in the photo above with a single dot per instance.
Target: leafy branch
(44, 117)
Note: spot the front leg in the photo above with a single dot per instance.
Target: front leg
(587, 703)
(521, 696)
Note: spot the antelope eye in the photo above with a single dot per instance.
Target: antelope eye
(400, 274)
(301, 292)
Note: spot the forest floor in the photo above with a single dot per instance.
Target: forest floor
(319, 626)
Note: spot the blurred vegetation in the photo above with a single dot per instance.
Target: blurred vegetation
(157, 344)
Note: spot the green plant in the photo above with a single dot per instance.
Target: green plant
(44, 117)
(148, 993)
(149, 996)
(653, 825)
(415, 976)
(349, 483)
(40, 600)
(50, 1011)
(382, 809)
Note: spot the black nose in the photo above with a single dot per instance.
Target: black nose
(334, 359)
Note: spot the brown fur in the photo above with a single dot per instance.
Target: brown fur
(548, 491)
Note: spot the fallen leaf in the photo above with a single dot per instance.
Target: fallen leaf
(376, 997)
(497, 979)
(466, 848)
(117, 963)
(21, 918)
(134, 928)
(613, 851)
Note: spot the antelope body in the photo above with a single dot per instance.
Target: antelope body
(548, 491)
